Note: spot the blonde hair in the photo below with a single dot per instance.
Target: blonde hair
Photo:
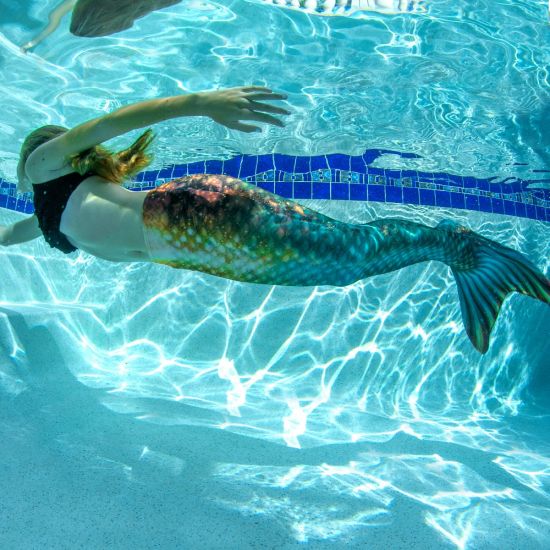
(98, 160)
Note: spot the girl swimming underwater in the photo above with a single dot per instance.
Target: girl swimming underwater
(220, 225)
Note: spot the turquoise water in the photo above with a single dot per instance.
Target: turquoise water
(143, 407)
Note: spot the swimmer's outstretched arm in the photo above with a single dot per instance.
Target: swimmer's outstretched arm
(227, 107)
(53, 22)
(20, 232)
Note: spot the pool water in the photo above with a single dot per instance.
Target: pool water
(143, 407)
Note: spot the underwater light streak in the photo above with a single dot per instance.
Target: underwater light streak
(457, 500)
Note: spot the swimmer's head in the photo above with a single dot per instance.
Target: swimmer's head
(113, 167)
(34, 140)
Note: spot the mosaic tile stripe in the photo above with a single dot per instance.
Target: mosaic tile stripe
(344, 177)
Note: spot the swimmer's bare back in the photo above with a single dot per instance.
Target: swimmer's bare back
(105, 220)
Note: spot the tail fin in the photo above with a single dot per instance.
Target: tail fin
(497, 271)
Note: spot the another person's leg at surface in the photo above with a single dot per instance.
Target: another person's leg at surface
(54, 19)
(92, 18)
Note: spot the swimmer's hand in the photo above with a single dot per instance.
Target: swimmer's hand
(227, 107)
(230, 107)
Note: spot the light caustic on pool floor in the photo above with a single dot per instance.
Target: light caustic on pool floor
(457, 500)
(367, 365)
(304, 366)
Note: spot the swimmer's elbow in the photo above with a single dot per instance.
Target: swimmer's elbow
(4, 238)
(7, 236)
(20, 232)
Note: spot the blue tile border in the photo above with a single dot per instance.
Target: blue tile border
(344, 177)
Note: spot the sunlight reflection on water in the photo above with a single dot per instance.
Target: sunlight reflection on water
(419, 82)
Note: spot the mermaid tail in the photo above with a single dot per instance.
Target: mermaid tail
(491, 273)
(225, 227)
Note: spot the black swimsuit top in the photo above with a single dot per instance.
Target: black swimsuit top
(50, 200)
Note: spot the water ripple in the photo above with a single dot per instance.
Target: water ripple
(383, 364)
(463, 86)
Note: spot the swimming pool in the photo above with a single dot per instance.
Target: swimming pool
(147, 408)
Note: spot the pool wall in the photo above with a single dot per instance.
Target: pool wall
(345, 177)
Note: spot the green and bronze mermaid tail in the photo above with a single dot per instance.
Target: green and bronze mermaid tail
(225, 227)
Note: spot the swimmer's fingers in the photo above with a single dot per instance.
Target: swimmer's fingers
(261, 117)
(248, 128)
(248, 89)
(261, 93)
(230, 107)
(266, 108)
(261, 96)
